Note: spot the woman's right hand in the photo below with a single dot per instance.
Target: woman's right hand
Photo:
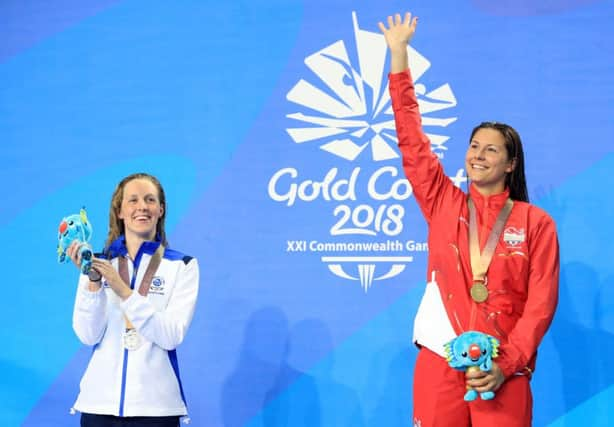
(74, 253)
(399, 32)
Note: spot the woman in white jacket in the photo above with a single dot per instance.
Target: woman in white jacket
(135, 308)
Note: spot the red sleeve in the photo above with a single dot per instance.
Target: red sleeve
(541, 302)
(430, 185)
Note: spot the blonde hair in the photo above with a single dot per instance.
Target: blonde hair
(116, 225)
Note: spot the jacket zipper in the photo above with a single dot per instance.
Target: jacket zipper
(122, 394)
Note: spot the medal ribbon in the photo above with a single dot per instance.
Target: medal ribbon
(481, 261)
(154, 263)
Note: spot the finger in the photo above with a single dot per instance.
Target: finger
(480, 385)
(414, 22)
(70, 250)
(382, 27)
(481, 378)
(407, 19)
(98, 266)
(101, 266)
(104, 266)
(101, 261)
(105, 271)
(108, 274)
(477, 382)
(485, 387)
(76, 254)
(475, 374)
(390, 22)
(397, 19)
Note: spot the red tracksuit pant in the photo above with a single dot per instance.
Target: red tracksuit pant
(439, 391)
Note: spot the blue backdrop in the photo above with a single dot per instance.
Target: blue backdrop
(269, 125)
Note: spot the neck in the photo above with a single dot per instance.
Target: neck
(133, 247)
(489, 190)
(134, 242)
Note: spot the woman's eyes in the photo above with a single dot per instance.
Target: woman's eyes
(492, 149)
(147, 200)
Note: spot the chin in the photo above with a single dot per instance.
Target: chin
(145, 234)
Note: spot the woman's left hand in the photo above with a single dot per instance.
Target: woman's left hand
(112, 277)
(482, 381)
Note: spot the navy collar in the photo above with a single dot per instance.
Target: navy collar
(118, 247)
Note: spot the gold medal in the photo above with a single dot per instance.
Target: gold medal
(479, 292)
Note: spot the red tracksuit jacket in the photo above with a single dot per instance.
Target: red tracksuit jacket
(524, 272)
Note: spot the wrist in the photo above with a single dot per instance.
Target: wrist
(94, 286)
(400, 49)
(94, 276)
(398, 62)
(125, 293)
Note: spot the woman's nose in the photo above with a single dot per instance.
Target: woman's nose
(479, 154)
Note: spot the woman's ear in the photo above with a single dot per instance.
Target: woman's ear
(511, 166)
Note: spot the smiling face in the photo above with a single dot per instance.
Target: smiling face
(140, 209)
(487, 161)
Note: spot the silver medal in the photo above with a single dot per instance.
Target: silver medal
(132, 339)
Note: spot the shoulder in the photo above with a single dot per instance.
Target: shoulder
(534, 212)
(540, 216)
(537, 221)
(177, 256)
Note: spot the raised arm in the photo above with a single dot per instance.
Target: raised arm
(431, 187)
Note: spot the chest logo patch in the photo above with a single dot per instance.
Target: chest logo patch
(513, 236)
(157, 285)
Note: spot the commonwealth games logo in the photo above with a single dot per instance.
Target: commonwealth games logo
(345, 110)
(353, 105)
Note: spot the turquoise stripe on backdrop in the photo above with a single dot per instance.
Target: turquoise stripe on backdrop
(583, 329)
(596, 411)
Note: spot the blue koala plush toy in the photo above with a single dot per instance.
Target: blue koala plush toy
(470, 351)
(76, 227)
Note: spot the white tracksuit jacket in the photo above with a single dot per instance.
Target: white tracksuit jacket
(145, 381)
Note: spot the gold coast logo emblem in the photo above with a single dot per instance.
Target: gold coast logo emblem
(344, 108)
(349, 109)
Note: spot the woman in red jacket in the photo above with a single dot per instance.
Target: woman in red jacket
(493, 262)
